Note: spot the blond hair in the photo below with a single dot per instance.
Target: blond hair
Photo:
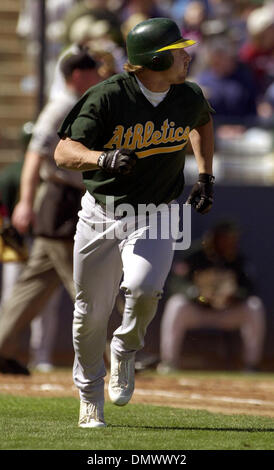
(132, 68)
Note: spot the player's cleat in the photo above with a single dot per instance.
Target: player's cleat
(121, 382)
(91, 415)
(11, 366)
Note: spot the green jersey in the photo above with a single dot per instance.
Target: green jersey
(115, 114)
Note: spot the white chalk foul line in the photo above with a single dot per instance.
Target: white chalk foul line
(198, 396)
(12, 387)
(249, 401)
(46, 387)
(36, 388)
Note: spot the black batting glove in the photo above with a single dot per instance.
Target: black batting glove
(121, 161)
(201, 196)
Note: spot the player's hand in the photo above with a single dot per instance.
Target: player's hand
(201, 196)
(120, 161)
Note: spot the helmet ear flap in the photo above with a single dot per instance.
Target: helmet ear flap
(161, 61)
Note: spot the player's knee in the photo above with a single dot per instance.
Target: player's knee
(142, 301)
(254, 303)
(141, 292)
(88, 325)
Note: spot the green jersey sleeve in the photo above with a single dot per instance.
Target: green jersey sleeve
(205, 109)
(84, 123)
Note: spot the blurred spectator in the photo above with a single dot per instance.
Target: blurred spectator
(229, 85)
(211, 288)
(258, 50)
(14, 249)
(109, 56)
(28, 28)
(148, 8)
(88, 20)
(214, 9)
(14, 246)
(266, 108)
(97, 27)
(130, 22)
(54, 219)
(178, 8)
(231, 89)
(193, 19)
(237, 20)
(71, 22)
(104, 52)
(208, 18)
(219, 8)
(192, 28)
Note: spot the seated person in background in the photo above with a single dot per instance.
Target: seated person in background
(211, 289)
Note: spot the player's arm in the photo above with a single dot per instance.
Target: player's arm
(73, 155)
(44, 133)
(23, 214)
(202, 141)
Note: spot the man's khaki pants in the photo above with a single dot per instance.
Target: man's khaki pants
(49, 265)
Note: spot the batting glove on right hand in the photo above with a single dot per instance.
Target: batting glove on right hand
(120, 161)
(201, 196)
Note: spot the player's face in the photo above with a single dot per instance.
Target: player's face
(178, 71)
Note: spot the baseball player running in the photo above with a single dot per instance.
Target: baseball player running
(128, 136)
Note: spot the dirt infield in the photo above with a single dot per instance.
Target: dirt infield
(251, 394)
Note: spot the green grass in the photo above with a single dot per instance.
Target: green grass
(51, 423)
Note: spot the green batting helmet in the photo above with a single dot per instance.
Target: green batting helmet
(150, 43)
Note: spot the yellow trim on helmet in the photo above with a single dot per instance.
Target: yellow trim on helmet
(178, 45)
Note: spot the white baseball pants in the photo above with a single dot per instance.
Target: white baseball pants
(101, 259)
